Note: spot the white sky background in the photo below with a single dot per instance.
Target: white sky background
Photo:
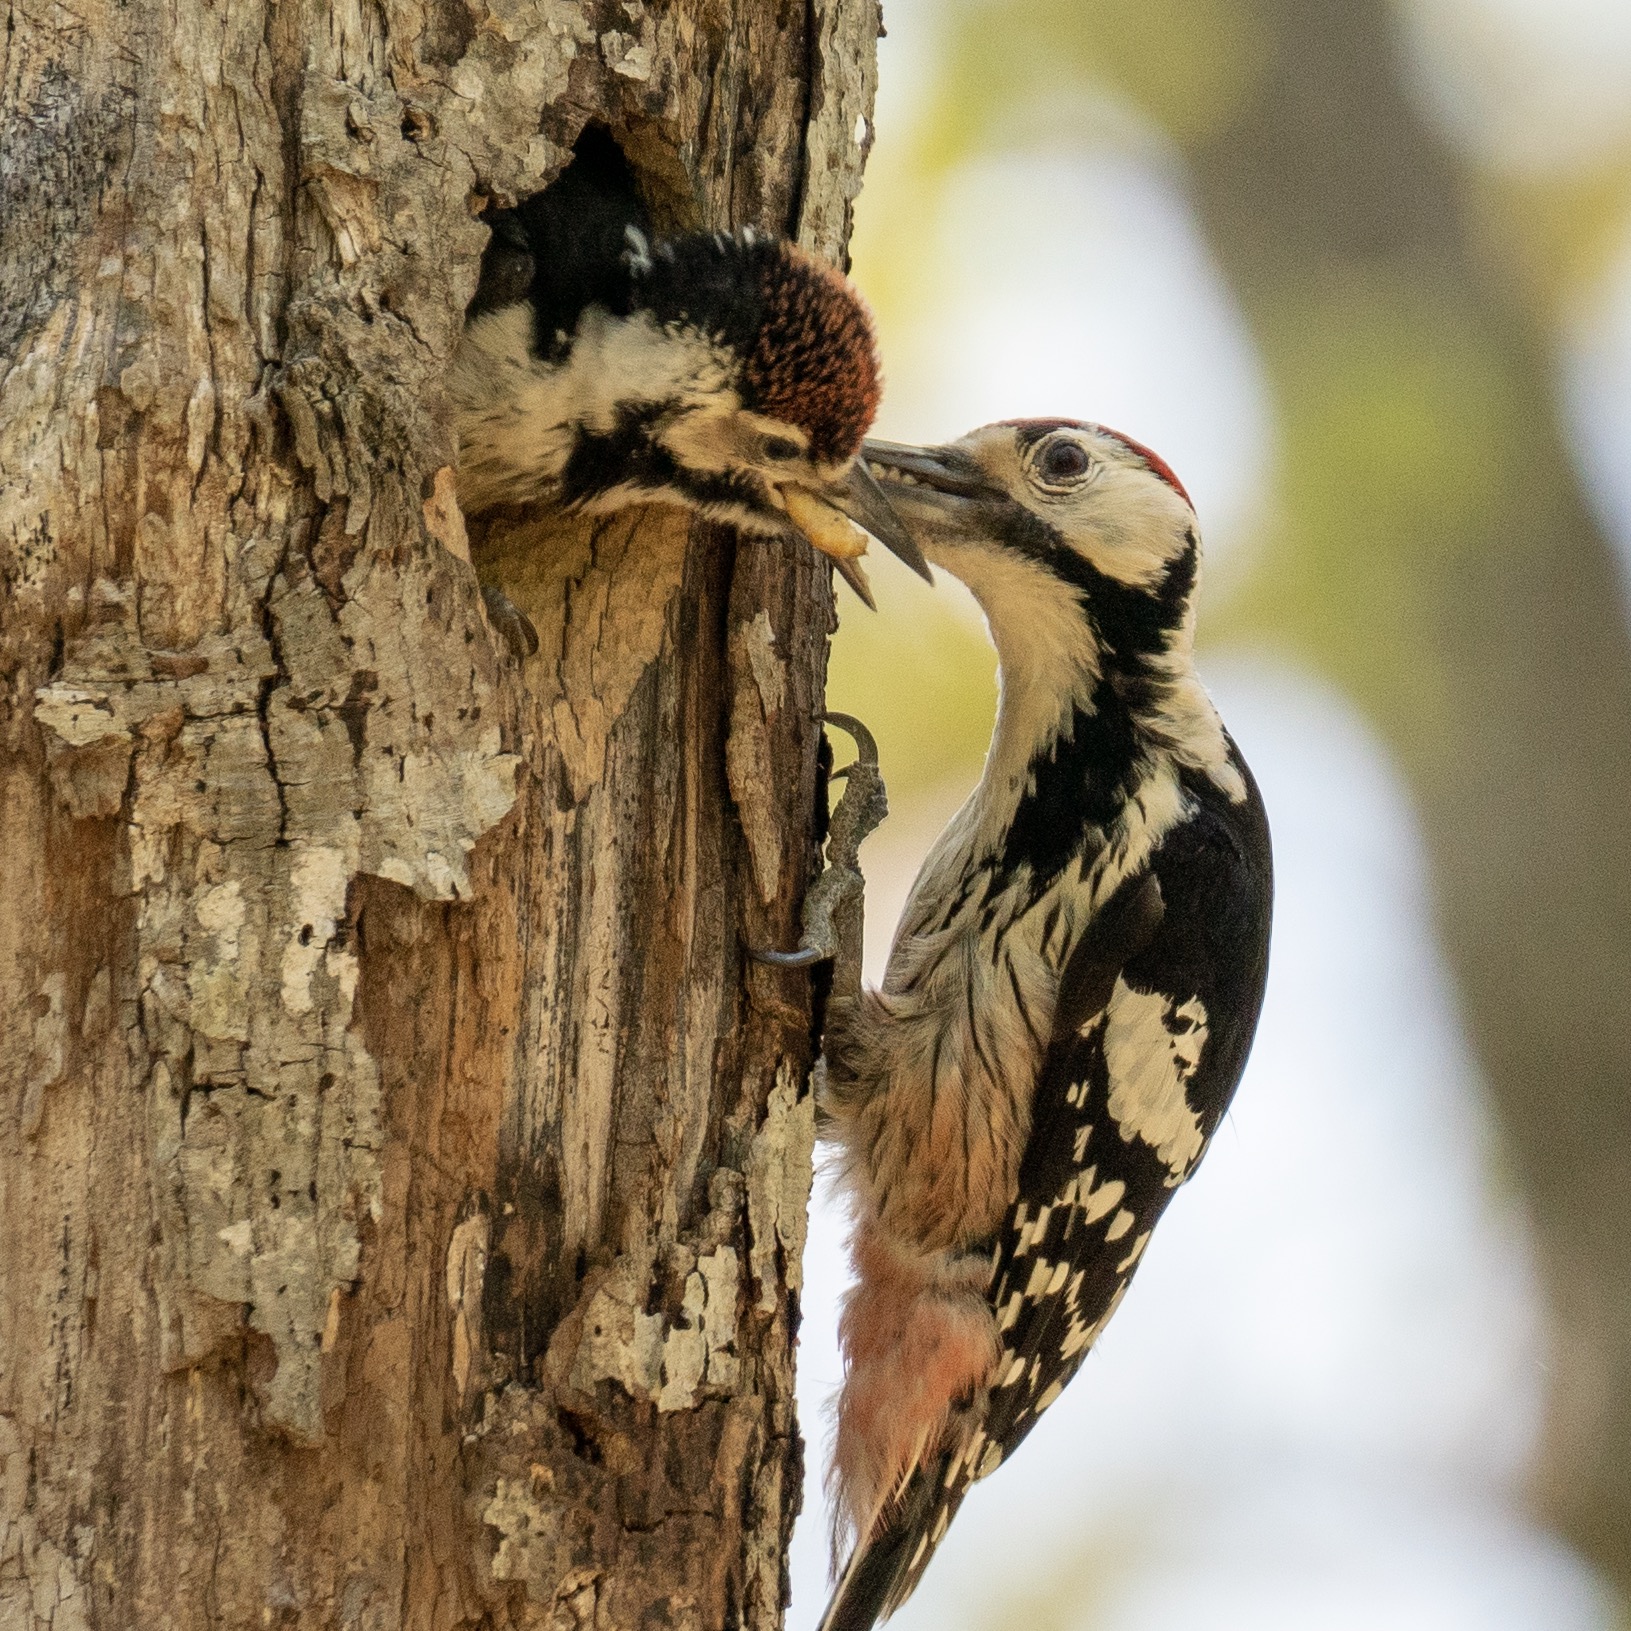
(1316, 1407)
(1531, 87)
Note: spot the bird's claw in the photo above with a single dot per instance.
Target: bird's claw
(804, 957)
(511, 622)
(834, 905)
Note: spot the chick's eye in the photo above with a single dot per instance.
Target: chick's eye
(781, 447)
(1063, 462)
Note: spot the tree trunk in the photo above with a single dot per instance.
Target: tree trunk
(403, 1175)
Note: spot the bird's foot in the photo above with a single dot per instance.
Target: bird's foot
(834, 906)
(510, 622)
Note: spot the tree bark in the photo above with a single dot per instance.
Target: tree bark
(403, 1175)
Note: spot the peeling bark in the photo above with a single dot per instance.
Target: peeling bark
(403, 1173)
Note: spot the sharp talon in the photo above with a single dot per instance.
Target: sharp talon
(832, 907)
(866, 745)
(510, 622)
(858, 813)
(804, 957)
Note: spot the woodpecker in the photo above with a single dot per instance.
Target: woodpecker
(1072, 991)
(729, 373)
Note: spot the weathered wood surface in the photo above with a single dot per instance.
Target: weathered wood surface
(402, 1175)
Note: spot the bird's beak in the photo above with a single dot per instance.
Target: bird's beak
(938, 475)
(940, 492)
(860, 497)
(832, 520)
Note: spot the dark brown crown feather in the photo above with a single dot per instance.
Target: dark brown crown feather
(800, 332)
(814, 362)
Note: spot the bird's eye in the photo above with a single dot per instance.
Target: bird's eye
(1062, 463)
(781, 447)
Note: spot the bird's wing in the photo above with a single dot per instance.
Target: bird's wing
(1155, 1016)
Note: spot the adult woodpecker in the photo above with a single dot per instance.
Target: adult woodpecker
(731, 374)
(1072, 991)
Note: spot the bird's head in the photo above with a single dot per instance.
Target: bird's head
(739, 382)
(1072, 537)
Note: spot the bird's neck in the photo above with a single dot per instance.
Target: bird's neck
(1082, 765)
(1081, 729)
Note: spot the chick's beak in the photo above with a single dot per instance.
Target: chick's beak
(860, 497)
(832, 520)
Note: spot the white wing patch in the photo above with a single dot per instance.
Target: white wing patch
(1079, 1335)
(1151, 1050)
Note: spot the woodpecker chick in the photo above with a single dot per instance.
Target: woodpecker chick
(1072, 991)
(733, 375)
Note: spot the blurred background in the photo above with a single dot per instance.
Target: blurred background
(1362, 273)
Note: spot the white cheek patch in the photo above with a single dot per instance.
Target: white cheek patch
(712, 441)
(1132, 529)
(519, 416)
(1152, 1048)
(617, 361)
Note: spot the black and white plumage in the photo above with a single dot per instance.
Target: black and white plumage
(731, 374)
(1072, 992)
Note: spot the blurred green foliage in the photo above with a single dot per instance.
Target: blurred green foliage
(921, 673)
(1187, 64)
(1401, 444)
(1402, 434)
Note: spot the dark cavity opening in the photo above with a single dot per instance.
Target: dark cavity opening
(563, 248)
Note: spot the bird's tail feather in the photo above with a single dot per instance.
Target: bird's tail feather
(885, 1567)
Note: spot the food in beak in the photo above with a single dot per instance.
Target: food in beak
(830, 530)
(829, 520)
(834, 534)
(860, 497)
